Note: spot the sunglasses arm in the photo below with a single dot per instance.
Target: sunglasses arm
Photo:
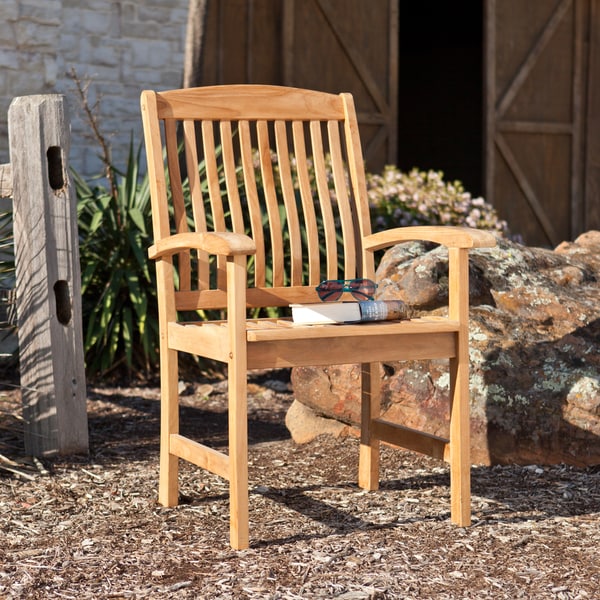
(450, 236)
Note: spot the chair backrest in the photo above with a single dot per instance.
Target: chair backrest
(283, 165)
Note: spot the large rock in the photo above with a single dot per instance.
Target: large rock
(535, 353)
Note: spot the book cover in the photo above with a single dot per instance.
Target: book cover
(349, 312)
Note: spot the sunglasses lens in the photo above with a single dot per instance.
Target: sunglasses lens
(362, 288)
(330, 291)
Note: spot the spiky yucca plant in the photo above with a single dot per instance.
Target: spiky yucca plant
(117, 280)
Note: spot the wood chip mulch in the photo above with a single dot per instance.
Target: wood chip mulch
(90, 527)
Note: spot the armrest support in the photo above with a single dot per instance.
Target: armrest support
(450, 236)
(222, 243)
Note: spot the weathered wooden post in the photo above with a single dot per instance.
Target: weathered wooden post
(5, 181)
(48, 278)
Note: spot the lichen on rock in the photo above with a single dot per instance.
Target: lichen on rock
(534, 349)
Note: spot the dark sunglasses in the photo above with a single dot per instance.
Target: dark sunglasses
(331, 290)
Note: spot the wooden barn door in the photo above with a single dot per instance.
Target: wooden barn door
(327, 45)
(591, 179)
(349, 45)
(537, 72)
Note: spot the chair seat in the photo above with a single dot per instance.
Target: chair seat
(274, 329)
(279, 343)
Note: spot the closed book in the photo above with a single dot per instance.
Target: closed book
(349, 312)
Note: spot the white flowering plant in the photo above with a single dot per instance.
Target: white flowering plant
(399, 199)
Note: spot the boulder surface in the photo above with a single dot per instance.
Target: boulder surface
(534, 345)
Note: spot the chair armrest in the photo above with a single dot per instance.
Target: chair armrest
(222, 243)
(451, 236)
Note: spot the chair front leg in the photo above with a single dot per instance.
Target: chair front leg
(460, 450)
(238, 403)
(238, 455)
(168, 486)
(460, 438)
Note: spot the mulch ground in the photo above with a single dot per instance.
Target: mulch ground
(90, 527)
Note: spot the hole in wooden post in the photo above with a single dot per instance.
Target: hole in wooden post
(63, 301)
(55, 168)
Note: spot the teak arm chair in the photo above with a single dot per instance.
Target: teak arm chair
(233, 232)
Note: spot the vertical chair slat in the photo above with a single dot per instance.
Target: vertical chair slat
(178, 200)
(264, 150)
(308, 205)
(359, 186)
(343, 203)
(196, 198)
(233, 195)
(214, 192)
(289, 199)
(324, 200)
(255, 214)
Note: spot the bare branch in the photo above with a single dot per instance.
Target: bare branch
(92, 117)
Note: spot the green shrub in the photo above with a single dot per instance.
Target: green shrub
(117, 279)
(400, 199)
(8, 339)
(7, 257)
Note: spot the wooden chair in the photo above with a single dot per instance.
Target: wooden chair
(234, 232)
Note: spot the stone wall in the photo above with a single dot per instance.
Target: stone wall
(122, 46)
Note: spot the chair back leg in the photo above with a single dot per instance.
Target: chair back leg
(368, 461)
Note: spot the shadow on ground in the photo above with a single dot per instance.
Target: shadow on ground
(124, 426)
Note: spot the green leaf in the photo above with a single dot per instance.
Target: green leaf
(118, 281)
(94, 223)
(127, 335)
(138, 218)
